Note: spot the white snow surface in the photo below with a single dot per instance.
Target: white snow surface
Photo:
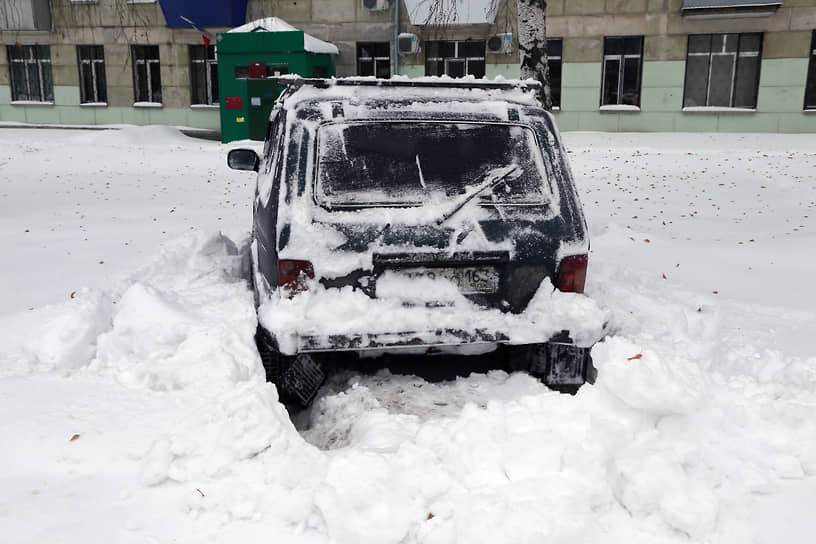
(276, 24)
(133, 406)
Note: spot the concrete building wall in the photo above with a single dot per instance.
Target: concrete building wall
(584, 23)
(117, 25)
(345, 22)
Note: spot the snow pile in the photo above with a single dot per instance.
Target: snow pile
(142, 399)
(169, 330)
(154, 332)
(129, 135)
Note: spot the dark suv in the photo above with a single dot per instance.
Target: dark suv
(416, 216)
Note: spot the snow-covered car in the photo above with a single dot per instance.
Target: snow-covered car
(417, 216)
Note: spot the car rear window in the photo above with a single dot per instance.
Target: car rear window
(400, 163)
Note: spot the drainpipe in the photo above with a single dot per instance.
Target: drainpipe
(396, 36)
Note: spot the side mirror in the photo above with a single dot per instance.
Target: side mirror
(243, 159)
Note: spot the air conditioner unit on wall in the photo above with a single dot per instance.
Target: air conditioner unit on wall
(500, 44)
(407, 43)
(376, 5)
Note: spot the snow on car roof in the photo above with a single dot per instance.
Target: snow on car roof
(462, 95)
(440, 89)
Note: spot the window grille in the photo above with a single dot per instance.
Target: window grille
(92, 83)
(455, 58)
(722, 70)
(146, 73)
(31, 76)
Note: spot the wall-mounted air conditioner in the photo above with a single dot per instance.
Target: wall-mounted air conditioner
(376, 5)
(500, 44)
(407, 43)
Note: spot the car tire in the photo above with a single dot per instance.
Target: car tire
(273, 362)
(297, 378)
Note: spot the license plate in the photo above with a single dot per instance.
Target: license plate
(469, 280)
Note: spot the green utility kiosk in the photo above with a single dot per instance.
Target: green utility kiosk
(247, 56)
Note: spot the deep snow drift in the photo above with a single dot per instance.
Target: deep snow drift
(133, 406)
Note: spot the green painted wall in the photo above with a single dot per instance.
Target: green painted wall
(779, 103)
(67, 111)
(412, 70)
(507, 71)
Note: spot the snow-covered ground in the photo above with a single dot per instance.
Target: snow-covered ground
(133, 406)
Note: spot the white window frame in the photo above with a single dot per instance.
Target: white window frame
(93, 65)
(457, 58)
(735, 55)
(146, 62)
(621, 58)
(811, 66)
(208, 64)
(27, 60)
(551, 58)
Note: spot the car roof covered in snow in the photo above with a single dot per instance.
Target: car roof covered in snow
(369, 97)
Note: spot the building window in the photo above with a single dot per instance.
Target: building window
(146, 73)
(30, 70)
(723, 70)
(374, 59)
(622, 67)
(810, 86)
(203, 75)
(554, 47)
(455, 58)
(92, 86)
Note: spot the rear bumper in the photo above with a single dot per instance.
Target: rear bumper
(408, 341)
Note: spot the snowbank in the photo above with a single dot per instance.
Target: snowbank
(136, 409)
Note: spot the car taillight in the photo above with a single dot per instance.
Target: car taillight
(292, 275)
(572, 273)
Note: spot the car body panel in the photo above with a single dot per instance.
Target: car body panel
(352, 247)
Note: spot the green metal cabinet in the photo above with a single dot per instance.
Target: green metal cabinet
(245, 60)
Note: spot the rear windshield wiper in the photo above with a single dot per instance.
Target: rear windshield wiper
(493, 178)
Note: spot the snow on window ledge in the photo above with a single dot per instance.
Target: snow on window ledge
(556, 109)
(140, 2)
(84, 1)
(148, 105)
(809, 110)
(30, 103)
(94, 105)
(716, 109)
(620, 107)
(205, 106)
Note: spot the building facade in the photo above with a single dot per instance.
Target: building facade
(616, 65)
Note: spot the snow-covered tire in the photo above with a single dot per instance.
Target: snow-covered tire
(297, 378)
(273, 362)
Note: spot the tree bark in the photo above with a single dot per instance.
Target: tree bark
(532, 29)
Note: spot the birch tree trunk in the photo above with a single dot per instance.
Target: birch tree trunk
(532, 30)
